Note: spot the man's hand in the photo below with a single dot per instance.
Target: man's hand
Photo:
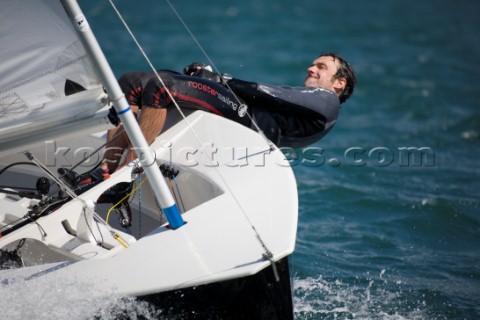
(199, 69)
(193, 68)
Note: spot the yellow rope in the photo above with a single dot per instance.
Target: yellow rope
(117, 237)
(128, 195)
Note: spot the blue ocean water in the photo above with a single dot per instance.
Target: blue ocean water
(389, 224)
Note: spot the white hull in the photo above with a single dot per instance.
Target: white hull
(227, 205)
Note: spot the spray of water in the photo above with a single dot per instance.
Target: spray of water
(67, 299)
(366, 298)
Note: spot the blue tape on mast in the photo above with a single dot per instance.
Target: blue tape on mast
(173, 216)
(124, 110)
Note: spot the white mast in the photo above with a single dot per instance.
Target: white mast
(155, 178)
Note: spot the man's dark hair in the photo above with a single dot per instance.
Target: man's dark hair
(344, 71)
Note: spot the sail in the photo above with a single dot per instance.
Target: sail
(47, 82)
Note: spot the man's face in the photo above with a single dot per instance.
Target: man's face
(320, 74)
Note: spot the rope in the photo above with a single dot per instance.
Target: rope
(121, 200)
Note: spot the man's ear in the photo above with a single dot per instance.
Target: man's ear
(339, 84)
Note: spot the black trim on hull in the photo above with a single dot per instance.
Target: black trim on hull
(254, 297)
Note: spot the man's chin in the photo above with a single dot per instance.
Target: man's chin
(310, 82)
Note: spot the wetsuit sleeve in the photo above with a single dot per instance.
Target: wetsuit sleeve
(154, 93)
(195, 93)
(132, 87)
(289, 116)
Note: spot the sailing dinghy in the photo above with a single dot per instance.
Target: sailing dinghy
(205, 220)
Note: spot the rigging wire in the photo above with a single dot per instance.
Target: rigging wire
(146, 57)
(150, 64)
(214, 67)
(138, 178)
(160, 211)
(179, 194)
(268, 255)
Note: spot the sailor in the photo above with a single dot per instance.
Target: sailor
(288, 116)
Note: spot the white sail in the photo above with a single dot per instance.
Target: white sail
(47, 83)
